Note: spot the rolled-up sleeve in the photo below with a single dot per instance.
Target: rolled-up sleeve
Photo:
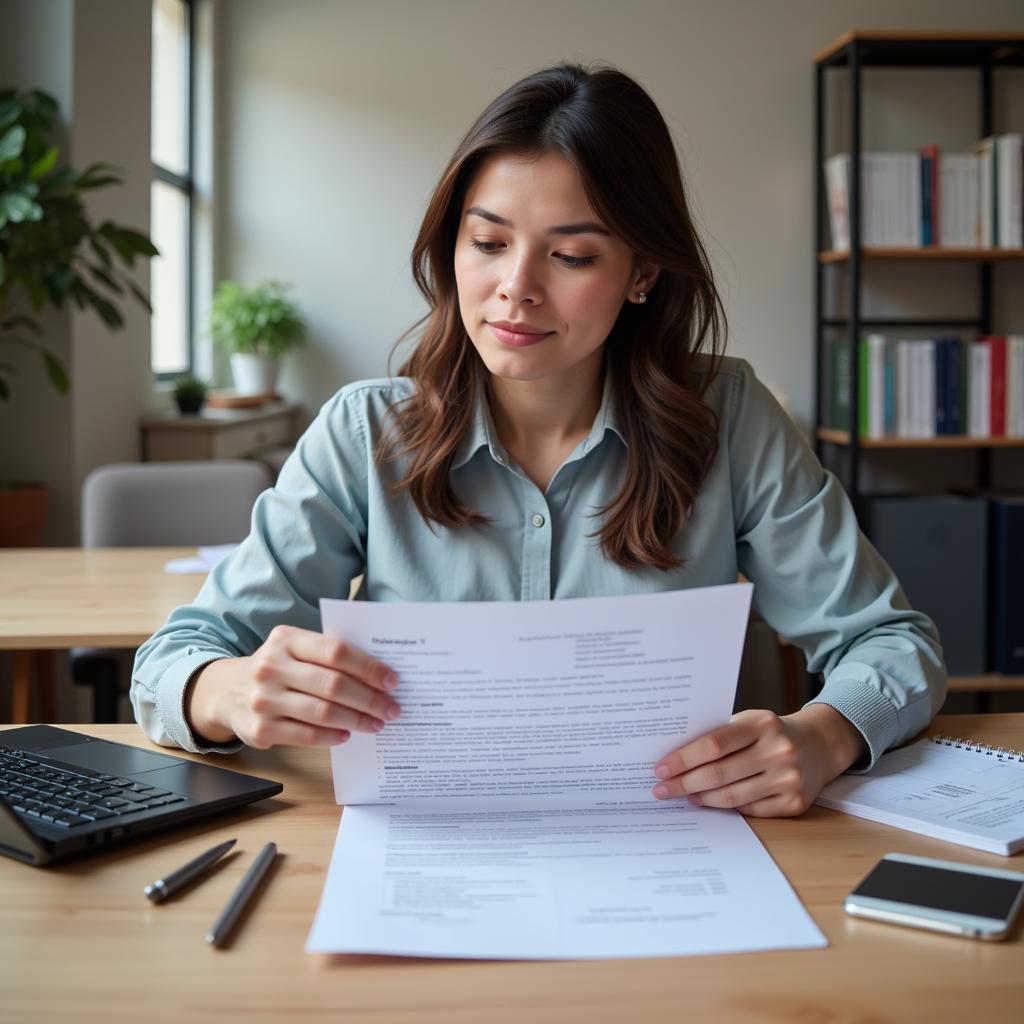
(819, 582)
(307, 540)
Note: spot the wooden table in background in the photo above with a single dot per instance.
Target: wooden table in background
(58, 598)
(81, 943)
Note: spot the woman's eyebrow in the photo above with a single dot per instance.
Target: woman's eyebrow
(582, 227)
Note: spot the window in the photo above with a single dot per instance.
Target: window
(171, 191)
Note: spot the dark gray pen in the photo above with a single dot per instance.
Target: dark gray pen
(164, 887)
(241, 897)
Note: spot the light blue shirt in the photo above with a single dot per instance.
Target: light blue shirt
(766, 509)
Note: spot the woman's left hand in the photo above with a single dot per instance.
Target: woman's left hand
(761, 764)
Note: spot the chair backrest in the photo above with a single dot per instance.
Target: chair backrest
(142, 504)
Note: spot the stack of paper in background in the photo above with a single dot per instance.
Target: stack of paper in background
(924, 388)
(951, 200)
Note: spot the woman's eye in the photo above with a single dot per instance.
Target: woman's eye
(564, 258)
(575, 261)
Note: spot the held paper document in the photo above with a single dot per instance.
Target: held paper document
(508, 812)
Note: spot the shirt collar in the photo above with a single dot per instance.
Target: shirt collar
(482, 433)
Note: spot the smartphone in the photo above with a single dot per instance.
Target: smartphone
(941, 895)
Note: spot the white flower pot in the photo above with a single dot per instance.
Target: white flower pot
(254, 375)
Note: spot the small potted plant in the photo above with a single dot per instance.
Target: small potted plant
(256, 326)
(189, 393)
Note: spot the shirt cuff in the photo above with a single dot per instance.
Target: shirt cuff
(869, 711)
(170, 703)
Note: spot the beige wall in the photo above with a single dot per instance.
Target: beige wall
(338, 116)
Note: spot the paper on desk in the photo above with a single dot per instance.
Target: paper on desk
(207, 559)
(510, 812)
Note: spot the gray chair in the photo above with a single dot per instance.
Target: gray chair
(155, 504)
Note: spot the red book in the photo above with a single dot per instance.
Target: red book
(997, 381)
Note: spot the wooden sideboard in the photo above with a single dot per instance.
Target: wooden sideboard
(218, 433)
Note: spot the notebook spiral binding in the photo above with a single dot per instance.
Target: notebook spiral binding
(999, 753)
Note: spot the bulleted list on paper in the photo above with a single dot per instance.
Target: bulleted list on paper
(508, 812)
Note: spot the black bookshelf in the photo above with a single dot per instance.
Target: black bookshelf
(851, 55)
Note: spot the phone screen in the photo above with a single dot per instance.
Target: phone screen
(940, 889)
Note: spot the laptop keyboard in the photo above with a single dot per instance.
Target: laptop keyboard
(68, 796)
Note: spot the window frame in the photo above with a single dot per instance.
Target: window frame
(186, 185)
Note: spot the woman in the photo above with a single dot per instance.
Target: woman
(566, 426)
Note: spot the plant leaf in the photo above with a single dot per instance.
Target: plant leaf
(101, 251)
(20, 321)
(101, 275)
(12, 142)
(109, 313)
(43, 165)
(98, 175)
(141, 296)
(56, 373)
(16, 207)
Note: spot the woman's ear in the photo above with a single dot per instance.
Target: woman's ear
(644, 278)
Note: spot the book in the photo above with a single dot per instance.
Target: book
(839, 384)
(988, 225)
(1008, 183)
(944, 787)
(929, 194)
(978, 389)
(997, 384)
(837, 190)
(871, 383)
(958, 200)
(1007, 585)
(1015, 385)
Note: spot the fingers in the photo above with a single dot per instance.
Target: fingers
(324, 668)
(709, 748)
(754, 764)
(266, 733)
(306, 689)
(325, 714)
(317, 649)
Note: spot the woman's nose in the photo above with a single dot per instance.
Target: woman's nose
(520, 283)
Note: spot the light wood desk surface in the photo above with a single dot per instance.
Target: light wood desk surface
(80, 942)
(56, 598)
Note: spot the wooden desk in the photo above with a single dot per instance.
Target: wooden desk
(58, 598)
(80, 942)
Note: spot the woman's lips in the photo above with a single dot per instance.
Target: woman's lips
(518, 338)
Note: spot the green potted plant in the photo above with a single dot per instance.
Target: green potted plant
(256, 326)
(189, 394)
(51, 254)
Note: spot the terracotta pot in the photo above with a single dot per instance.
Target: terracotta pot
(22, 513)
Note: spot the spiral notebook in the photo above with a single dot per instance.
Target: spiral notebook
(948, 788)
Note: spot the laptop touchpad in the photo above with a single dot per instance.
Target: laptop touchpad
(111, 759)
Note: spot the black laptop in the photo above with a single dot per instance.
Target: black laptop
(63, 794)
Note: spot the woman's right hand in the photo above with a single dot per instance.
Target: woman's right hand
(299, 688)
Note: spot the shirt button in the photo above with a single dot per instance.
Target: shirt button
(499, 459)
(537, 520)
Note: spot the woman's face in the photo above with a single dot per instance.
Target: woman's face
(541, 281)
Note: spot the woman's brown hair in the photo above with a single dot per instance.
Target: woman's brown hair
(607, 126)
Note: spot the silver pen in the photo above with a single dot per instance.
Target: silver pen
(242, 896)
(164, 887)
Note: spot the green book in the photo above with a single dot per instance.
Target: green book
(838, 415)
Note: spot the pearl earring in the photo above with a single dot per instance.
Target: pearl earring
(641, 297)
